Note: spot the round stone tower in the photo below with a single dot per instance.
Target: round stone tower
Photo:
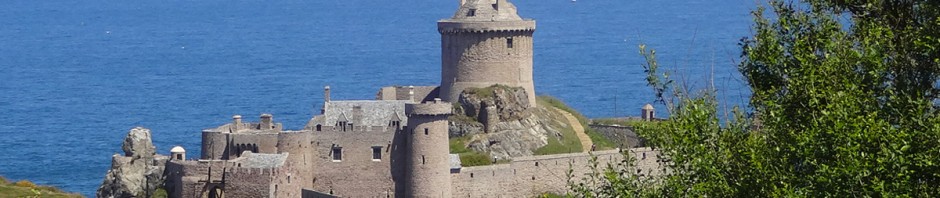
(483, 44)
(426, 155)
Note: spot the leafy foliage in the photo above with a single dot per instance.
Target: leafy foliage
(844, 103)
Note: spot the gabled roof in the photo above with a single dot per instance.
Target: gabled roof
(364, 112)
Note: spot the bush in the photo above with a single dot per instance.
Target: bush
(475, 159)
(25, 183)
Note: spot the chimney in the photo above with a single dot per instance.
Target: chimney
(236, 122)
(267, 121)
(326, 94)
(411, 93)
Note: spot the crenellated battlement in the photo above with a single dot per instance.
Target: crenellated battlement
(266, 124)
(436, 107)
(454, 26)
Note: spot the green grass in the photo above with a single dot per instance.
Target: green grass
(599, 140)
(551, 195)
(487, 92)
(28, 189)
(160, 193)
(618, 121)
(568, 142)
(468, 157)
(602, 142)
(459, 118)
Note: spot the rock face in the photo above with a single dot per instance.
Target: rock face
(138, 173)
(138, 144)
(514, 128)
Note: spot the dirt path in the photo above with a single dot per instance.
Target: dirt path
(586, 142)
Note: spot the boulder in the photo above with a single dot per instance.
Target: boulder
(137, 173)
(519, 130)
(138, 143)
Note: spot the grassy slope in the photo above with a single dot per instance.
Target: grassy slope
(28, 189)
(567, 143)
(602, 142)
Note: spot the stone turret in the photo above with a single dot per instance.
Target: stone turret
(426, 159)
(483, 44)
(647, 113)
(177, 153)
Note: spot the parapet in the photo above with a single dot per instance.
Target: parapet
(452, 26)
(436, 107)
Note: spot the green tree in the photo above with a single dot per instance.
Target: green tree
(845, 103)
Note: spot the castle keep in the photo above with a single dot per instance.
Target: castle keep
(398, 144)
(484, 44)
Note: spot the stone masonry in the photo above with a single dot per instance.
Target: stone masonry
(394, 146)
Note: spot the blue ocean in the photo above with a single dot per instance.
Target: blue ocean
(75, 76)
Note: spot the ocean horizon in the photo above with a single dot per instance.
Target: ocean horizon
(78, 75)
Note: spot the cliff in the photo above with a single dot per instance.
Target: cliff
(498, 121)
(139, 172)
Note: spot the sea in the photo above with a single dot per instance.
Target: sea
(75, 76)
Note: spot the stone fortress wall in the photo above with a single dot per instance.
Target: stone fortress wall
(534, 175)
(231, 178)
(624, 136)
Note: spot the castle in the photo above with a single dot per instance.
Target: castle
(396, 145)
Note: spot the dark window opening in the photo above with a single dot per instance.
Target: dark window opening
(536, 163)
(337, 153)
(376, 153)
(471, 175)
(319, 127)
(472, 12)
(509, 42)
(425, 131)
(422, 160)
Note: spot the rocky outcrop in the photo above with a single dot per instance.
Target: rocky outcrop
(515, 129)
(137, 173)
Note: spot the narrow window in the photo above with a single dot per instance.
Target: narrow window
(472, 12)
(422, 160)
(337, 154)
(509, 42)
(319, 127)
(425, 131)
(376, 153)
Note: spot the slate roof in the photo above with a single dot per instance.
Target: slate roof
(371, 112)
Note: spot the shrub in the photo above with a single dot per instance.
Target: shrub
(475, 159)
(25, 183)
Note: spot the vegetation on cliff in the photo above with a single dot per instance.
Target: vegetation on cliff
(844, 104)
(24, 188)
(532, 131)
(599, 140)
